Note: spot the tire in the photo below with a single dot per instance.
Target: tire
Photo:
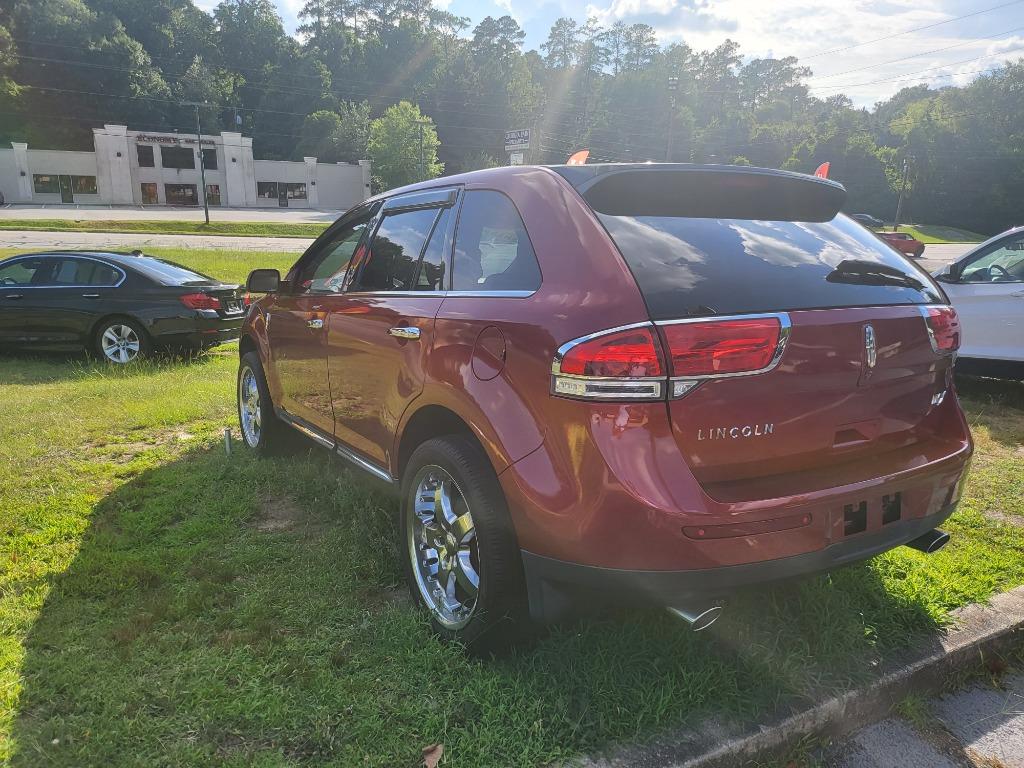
(121, 340)
(495, 617)
(261, 429)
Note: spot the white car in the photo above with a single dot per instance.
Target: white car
(986, 287)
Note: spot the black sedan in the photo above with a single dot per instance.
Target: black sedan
(121, 306)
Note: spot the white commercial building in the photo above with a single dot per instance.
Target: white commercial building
(139, 168)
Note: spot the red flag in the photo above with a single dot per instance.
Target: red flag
(822, 172)
(578, 158)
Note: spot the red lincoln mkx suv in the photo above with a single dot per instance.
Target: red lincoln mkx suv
(648, 382)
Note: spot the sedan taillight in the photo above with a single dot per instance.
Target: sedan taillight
(943, 329)
(200, 301)
(629, 363)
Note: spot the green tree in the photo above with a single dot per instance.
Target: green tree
(394, 147)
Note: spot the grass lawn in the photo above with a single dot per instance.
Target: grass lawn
(244, 228)
(163, 604)
(929, 233)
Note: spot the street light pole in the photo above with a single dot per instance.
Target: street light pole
(202, 163)
(903, 188)
(673, 86)
(422, 123)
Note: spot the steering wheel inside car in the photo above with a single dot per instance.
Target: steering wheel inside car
(8, 281)
(1005, 273)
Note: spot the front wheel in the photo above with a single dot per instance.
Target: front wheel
(461, 555)
(261, 429)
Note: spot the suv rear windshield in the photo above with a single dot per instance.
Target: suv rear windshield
(785, 250)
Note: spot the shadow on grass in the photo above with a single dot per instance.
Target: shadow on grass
(190, 631)
(44, 367)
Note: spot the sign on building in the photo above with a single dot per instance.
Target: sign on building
(516, 158)
(516, 141)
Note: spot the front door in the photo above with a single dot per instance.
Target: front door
(380, 333)
(21, 317)
(297, 323)
(66, 193)
(989, 298)
(282, 195)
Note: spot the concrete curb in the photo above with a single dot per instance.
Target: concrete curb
(978, 630)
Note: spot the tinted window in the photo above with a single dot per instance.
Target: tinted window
(433, 265)
(22, 272)
(210, 159)
(1001, 263)
(83, 185)
(169, 273)
(492, 249)
(84, 272)
(326, 270)
(177, 157)
(45, 183)
(145, 155)
(695, 267)
(395, 252)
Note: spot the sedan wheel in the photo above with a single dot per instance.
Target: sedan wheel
(443, 548)
(121, 342)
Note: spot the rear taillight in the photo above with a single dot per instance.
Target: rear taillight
(200, 301)
(627, 363)
(247, 299)
(943, 329)
(623, 363)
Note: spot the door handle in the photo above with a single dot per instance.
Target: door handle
(404, 332)
(13, 295)
(90, 295)
(315, 324)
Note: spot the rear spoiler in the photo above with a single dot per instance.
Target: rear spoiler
(706, 191)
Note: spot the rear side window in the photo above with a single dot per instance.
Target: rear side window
(84, 272)
(169, 273)
(394, 257)
(492, 250)
(692, 267)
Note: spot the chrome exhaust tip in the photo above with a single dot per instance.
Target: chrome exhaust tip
(930, 542)
(697, 618)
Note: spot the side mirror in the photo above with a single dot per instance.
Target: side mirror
(263, 281)
(948, 275)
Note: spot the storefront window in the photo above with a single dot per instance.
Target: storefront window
(84, 185)
(145, 153)
(181, 194)
(213, 194)
(177, 157)
(210, 159)
(45, 184)
(266, 189)
(149, 193)
(296, 191)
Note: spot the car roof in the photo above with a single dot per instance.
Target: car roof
(995, 238)
(120, 258)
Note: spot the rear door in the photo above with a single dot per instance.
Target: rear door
(80, 290)
(381, 331)
(989, 296)
(297, 321)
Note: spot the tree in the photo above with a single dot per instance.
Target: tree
(336, 137)
(394, 147)
(640, 47)
(562, 45)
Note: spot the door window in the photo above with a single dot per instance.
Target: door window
(393, 261)
(22, 272)
(325, 272)
(431, 275)
(1003, 263)
(492, 250)
(84, 272)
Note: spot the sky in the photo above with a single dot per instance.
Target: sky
(938, 42)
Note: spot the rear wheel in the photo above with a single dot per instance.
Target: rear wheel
(121, 340)
(461, 557)
(261, 429)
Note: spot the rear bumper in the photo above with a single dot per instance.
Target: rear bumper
(556, 587)
(201, 332)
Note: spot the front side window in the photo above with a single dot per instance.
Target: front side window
(393, 261)
(1002, 263)
(325, 272)
(492, 250)
(84, 272)
(22, 272)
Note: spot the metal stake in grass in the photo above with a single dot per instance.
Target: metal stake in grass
(227, 440)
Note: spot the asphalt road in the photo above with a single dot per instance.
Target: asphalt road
(979, 726)
(935, 255)
(166, 213)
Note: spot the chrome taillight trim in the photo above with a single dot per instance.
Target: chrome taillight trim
(923, 309)
(682, 385)
(604, 387)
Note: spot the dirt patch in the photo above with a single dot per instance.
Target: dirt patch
(125, 451)
(277, 513)
(1002, 517)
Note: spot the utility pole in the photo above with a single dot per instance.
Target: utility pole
(421, 124)
(202, 164)
(673, 86)
(903, 189)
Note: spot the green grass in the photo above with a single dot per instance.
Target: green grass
(164, 604)
(242, 228)
(930, 233)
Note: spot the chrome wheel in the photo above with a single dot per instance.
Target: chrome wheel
(120, 343)
(443, 547)
(249, 411)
